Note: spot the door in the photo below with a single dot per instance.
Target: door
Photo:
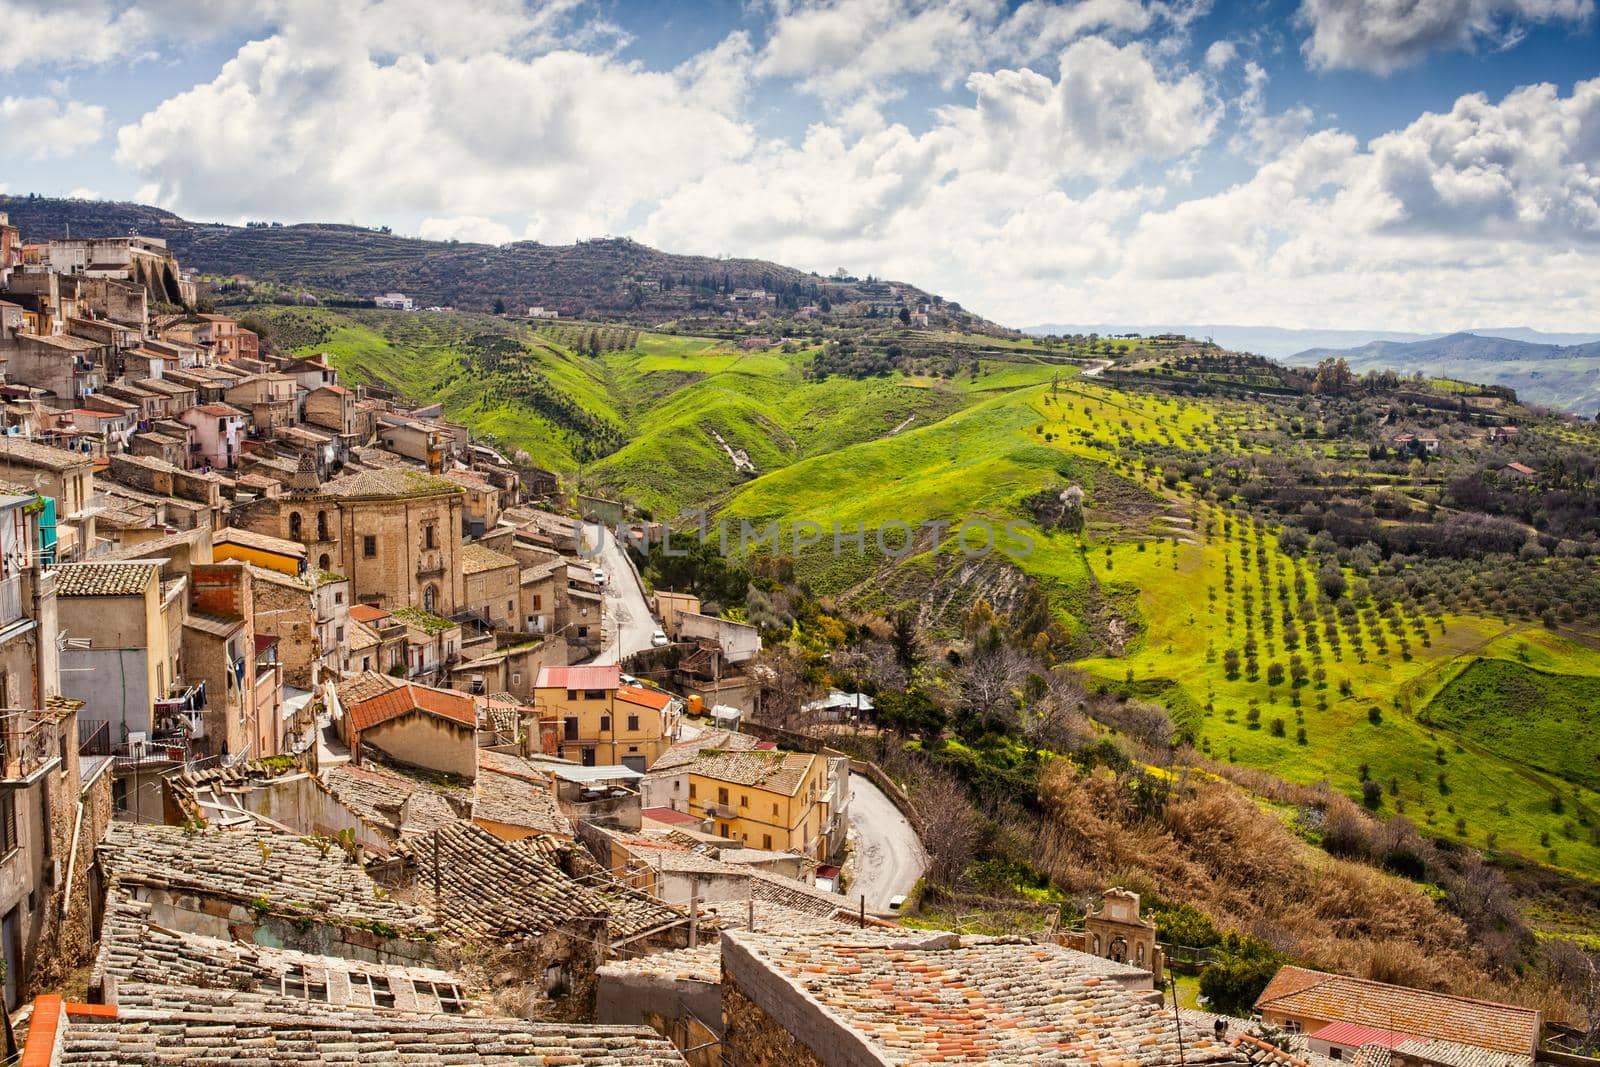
(634, 763)
(11, 944)
(588, 757)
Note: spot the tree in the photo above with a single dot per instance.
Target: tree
(1230, 663)
(905, 316)
(499, 306)
(905, 640)
(1331, 580)
(911, 712)
(1243, 967)
(1371, 794)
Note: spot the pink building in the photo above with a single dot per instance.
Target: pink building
(219, 431)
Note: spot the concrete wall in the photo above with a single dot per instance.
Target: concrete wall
(739, 642)
(423, 740)
(627, 999)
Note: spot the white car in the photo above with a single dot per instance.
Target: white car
(658, 639)
(897, 902)
(600, 575)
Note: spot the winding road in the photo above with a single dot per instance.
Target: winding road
(888, 856)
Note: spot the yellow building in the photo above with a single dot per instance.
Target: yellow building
(264, 550)
(765, 798)
(602, 721)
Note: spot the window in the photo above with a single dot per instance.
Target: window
(450, 1000)
(571, 725)
(744, 800)
(538, 602)
(605, 723)
(766, 842)
(511, 607)
(369, 546)
(326, 564)
(430, 598)
(572, 694)
(594, 694)
(338, 635)
(691, 790)
(1335, 1053)
(516, 678)
(428, 536)
(294, 526)
(722, 795)
(374, 990)
(322, 526)
(338, 597)
(774, 809)
(299, 984)
(1291, 1026)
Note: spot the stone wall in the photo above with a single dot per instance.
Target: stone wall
(755, 1038)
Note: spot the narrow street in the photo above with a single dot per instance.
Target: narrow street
(888, 856)
(628, 622)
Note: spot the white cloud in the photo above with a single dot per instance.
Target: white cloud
(838, 49)
(466, 228)
(1263, 135)
(1220, 54)
(83, 193)
(1385, 35)
(574, 141)
(42, 127)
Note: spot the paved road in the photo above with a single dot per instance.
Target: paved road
(628, 622)
(888, 857)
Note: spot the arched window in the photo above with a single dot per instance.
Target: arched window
(294, 526)
(322, 526)
(324, 563)
(430, 597)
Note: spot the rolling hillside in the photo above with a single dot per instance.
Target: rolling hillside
(615, 278)
(1565, 377)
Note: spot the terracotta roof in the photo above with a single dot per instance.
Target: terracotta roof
(32, 454)
(393, 481)
(514, 800)
(605, 676)
(368, 613)
(284, 871)
(221, 411)
(670, 816)
(778, 772)
(407, 698)
(888, 998)
(476, 558)
(105, 579)
(398, 803)
(508, 890)
(1297, 991)
(177, 1024)
(645, 698)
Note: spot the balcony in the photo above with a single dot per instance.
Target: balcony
(10, 600)
(28, 745)
(429, 563)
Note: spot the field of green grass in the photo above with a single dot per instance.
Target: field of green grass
(1551, 721)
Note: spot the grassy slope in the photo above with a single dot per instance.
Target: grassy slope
(982, 461)
(1549, 720)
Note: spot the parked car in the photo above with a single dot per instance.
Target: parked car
(600, 575)
(897, 902)
(658, 639)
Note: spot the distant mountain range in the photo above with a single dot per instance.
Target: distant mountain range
(608, 277)
(1558, 376)
(1279, 343)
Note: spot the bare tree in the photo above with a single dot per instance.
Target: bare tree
(951, 825)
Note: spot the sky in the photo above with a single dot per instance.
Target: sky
(1375, 164)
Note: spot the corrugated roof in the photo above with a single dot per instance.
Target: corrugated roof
(1354, 1035)
(592, 676)
(105, 579)
(407, 698)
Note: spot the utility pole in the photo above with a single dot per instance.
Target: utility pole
(1177, 1020)
(694, 910)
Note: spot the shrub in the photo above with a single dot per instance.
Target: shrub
(1371, 794)
(1375, 715)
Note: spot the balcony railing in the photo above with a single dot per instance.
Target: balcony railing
(10, 599)
(27, 745)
